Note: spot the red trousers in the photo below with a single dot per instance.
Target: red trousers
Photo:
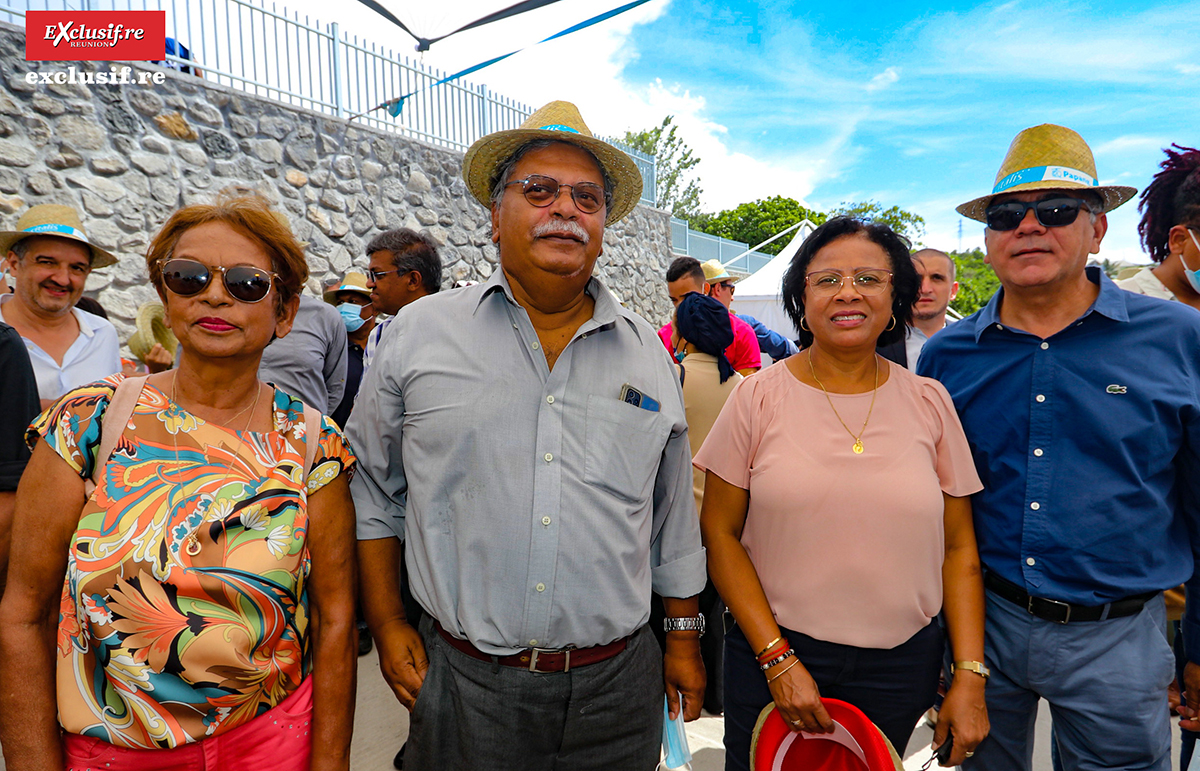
(277, 740)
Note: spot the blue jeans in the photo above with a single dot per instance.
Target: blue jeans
(1106, 683)
(893, 687)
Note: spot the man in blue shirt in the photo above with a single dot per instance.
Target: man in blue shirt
(1080, 402)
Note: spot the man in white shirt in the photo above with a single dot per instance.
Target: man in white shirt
(49, 257)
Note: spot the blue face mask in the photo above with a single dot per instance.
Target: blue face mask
(351, 316)
(1193, 276)
(674, 741)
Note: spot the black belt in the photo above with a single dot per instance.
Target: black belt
(1063, 612)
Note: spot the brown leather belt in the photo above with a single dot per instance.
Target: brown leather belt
(539, 659)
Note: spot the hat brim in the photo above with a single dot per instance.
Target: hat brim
(330, 295)
(1111, 195)
(485, 156)
(152, 328)
(100, 258)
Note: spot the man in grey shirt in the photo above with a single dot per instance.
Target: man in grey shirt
(538, 509)
(310, 363)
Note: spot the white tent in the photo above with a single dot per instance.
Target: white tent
(761, 295)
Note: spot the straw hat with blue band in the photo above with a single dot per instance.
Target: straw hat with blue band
(51, 219)
(561, 122)
(353, 282)
(1048, 157)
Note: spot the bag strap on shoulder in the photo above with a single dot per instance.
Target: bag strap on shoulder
(312, 438)
(112, 425)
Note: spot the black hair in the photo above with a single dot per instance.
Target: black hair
(411, 251)
(685, 266)
(93, 307)
(905, 282)
(1172, 198)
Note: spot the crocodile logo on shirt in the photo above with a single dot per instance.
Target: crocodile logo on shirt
(1116, 389)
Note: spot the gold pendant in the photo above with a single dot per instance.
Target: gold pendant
(193, 543)
(858, 447)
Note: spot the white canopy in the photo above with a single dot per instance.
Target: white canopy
(761, 294)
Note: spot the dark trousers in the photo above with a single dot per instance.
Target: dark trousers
(893, 687)
(473, 714)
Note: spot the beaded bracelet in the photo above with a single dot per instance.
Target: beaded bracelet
(778, 659)
(768, 647)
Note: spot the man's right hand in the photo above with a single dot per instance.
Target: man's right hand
(402, 660)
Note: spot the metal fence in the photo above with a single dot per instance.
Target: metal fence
(705, 246)
(290, 57)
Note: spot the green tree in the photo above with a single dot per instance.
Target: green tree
(977, 281)
(674, 161)
(755, 222)
(907, 224)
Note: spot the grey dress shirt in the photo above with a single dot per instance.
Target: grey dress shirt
(309, 363)
(538, 510)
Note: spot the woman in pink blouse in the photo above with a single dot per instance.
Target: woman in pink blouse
(837, 518)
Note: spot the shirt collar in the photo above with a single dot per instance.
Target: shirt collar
(607, 309)
(1110, 302)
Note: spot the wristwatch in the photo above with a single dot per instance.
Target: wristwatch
(688, 624)
(972, 666)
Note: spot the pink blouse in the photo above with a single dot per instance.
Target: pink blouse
(848, 548)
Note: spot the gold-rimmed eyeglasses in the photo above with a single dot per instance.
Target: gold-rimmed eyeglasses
(826, 283)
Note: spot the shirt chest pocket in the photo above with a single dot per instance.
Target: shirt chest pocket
(623, 447)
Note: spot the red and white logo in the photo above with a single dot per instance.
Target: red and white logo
(95, 35)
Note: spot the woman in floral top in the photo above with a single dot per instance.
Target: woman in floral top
(207, 613)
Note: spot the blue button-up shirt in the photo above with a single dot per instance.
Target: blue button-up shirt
(537, 508)
(1086, 443)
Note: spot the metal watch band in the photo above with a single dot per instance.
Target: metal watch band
(687, 624)
(977, 667)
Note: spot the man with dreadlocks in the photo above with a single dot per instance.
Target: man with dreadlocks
(1170, 209)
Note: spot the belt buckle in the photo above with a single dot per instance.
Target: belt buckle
(533, 658)
(1066, 618)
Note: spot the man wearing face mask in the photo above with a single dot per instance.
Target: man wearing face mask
(352, 299)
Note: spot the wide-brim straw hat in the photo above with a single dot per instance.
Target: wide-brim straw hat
(1048, 157)
(353, 282)
(714, 272)
(561, 122)
(152, 328)
(52, 219)
(856, 744)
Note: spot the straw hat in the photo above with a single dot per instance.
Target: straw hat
(561, 122)
(715, 272)
(152, 328)
(1048, 157)
(353, 282)
(51, 219)
(855, 745)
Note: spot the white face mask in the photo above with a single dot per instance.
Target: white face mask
(1193, 276)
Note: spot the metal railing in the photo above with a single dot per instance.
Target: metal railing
(705, 246)
(271, 52)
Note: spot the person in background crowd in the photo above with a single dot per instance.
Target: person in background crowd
(836, 544)
(404, 267)
(311, 361)
(527, 441)
(1072, 394)
(720, 285)
(938, 289)
(352, 299)
(207, 609)
(1169, 229)
(685, 275)
(50, 257)
(19, 397)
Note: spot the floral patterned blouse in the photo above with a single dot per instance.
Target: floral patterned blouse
(160, 644)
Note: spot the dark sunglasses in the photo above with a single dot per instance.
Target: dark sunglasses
(245, 283)
(1051, 212)
(543, 191)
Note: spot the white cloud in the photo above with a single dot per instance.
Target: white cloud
(883, 79)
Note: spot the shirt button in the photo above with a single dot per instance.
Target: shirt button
(1030, 562)
(1045, 346)
(1035, 505)
(532, 642)
(1041, 397)
(550, 399)
(548, 457)
(541, 587)
(546, 521)
(536, 346)
(999, 326)
(1038, 452)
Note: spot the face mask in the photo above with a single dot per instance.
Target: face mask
(674, 741)
(1193, 276)
(680, 356)
(351, 316)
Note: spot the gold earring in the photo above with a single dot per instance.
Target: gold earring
(892, 325)
(804, 328)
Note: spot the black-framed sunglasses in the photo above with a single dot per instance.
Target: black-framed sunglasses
(244, 283)
(542, 191)
(1050, 212)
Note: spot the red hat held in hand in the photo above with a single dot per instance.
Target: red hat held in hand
(855, 745)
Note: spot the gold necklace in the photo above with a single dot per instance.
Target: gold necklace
(192, 540)
(858, 445)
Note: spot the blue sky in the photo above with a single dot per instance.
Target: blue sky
(908, 104)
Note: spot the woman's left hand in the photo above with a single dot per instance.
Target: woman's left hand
(963, 713)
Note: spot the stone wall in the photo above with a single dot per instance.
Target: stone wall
(126, 156)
